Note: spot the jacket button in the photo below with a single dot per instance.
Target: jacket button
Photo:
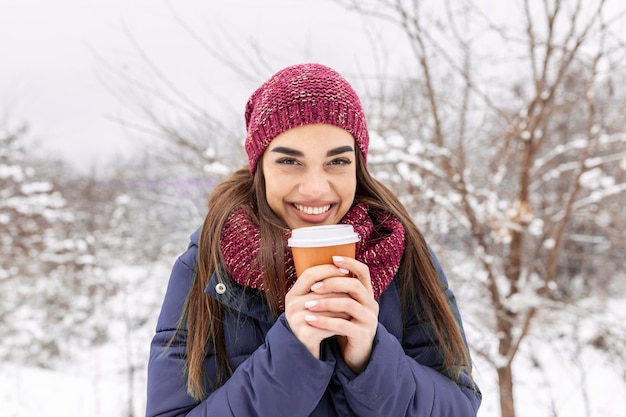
(220, 288)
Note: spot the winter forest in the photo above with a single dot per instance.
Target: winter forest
(503, 133)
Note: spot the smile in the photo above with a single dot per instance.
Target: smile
(312, 210)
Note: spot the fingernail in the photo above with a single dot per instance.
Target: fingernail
(344, 271)
(310, 317)
(310, 303)
(337, 258)
(316, 286)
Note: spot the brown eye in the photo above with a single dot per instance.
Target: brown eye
(340, 161)
(287, 161)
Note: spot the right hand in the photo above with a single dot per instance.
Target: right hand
(300, 296)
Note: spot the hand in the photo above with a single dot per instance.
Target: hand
(347, 309)
(300, 298)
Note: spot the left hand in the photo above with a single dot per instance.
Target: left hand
(354, 319)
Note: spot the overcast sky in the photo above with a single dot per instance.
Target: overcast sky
(52, 54)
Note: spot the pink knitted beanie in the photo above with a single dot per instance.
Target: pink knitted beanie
(299, 95)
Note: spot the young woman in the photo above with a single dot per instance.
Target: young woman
(239, 335)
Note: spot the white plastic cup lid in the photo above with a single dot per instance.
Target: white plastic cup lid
(326, 235)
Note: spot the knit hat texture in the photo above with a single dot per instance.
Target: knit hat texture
(299, 95)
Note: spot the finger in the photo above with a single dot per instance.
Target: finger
(358, 331)
(340, 307)
(357, 301)
(359, 269)
(334, 325)
(343, 285)
(312, 275)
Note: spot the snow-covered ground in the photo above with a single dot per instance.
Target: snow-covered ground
(31, 392)
(91, 390)
(558, 372)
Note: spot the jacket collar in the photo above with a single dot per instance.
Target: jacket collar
(244, 300)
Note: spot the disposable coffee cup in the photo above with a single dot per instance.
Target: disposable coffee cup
(316, 245)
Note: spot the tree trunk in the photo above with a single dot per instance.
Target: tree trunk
(505, 384)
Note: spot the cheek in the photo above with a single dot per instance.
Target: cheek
(347, 193)
(275, 192)
(352, 183)
(270, 192)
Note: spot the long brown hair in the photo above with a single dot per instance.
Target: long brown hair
(420, 285)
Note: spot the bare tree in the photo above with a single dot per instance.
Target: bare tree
(48, 275)
(515, 134)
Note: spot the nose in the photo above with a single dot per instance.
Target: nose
(314, 184)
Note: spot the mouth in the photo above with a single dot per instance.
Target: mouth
(313, 210)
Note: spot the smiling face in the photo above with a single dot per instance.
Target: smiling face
(310, 174)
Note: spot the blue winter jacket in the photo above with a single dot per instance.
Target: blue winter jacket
(275, 375)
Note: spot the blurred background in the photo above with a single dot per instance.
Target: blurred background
(499, 123)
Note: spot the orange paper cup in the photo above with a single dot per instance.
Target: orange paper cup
(316, 245)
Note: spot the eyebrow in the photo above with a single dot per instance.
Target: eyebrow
(294, 152)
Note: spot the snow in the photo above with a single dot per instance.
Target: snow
(561, 374)
(571, 363)
(596, 179)
(11, 171)
(536, 226)
(36, 187)
(89, 391)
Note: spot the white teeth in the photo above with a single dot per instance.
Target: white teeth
(312, 210)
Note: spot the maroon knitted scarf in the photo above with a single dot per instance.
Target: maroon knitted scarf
(380, 248)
